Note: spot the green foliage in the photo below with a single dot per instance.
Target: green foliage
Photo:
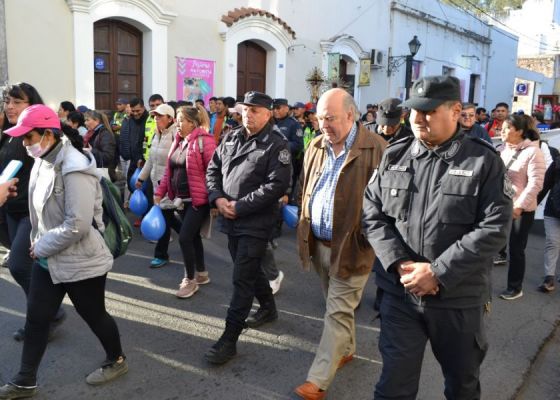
(492, 7)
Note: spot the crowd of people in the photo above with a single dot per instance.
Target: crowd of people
(416, 191)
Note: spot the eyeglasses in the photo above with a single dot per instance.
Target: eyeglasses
(465, 115)
(15, 102)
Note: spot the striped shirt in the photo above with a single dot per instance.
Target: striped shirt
(322, 200)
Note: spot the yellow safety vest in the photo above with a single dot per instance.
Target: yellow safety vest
(149, 133)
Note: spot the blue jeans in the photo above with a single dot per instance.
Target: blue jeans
(552, 244)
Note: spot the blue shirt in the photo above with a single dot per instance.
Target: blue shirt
(322, 200)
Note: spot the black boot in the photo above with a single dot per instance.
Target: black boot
(262, 316)
(221, 352)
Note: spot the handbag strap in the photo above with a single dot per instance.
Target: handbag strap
(512, 160)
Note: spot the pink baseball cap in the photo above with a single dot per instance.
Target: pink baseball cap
(35, 116)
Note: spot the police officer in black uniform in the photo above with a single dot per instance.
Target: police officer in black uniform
(437, 210)
(249, 172)
(293, 131)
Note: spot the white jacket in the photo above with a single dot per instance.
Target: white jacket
(64, 198)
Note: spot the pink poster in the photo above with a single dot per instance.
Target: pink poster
(195, 79)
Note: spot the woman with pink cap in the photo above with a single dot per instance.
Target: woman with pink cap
(70, 255)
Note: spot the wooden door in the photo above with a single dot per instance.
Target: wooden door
(117, 62)
(251, 68)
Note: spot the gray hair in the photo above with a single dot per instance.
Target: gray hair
(350, 105)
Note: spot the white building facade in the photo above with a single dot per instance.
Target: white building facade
(94, 51)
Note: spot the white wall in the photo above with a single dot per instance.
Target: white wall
(502, 68)
(197, 32)
(40, 48)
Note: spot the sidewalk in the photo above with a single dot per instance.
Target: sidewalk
(542, 380)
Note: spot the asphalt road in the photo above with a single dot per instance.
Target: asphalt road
(165, 337)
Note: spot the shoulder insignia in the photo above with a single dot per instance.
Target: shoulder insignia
(453, 149)
(284, 156)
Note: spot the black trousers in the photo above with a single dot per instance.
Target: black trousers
(458, 340)
(190, 239)
(249, 282)
(517, 243)
(19, 263)
(171, 222)
(88, 297)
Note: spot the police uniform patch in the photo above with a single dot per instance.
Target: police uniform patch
(284, 156)
(453, 149)
(400, 168)
(299, 133)
(509, 191)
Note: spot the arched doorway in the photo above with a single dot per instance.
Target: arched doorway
(347, 73)
(117, 62)
(251, 68)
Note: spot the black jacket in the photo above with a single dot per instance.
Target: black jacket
(450, 206)
(404, 131)
(551, 184)
(136, 131)
(292, 130)
(103, 147)
(11, 148)
(255, 172)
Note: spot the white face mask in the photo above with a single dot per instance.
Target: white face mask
(35, 150)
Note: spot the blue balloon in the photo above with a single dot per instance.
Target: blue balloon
(290, 215)
(138, 203)
(153, 224)
(133, 179)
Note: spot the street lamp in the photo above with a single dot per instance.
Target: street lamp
(395, 62)
(413, 46)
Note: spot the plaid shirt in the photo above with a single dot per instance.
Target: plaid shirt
(322, 200)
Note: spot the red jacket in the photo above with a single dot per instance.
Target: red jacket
(197, 162)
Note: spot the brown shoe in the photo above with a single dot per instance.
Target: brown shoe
(187, 289)
(201, 277)
(345, 360)
(310, 391)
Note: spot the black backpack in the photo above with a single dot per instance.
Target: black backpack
(118, 231)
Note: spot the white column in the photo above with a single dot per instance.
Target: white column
(156, 78)
(3, 46)
(84, 75)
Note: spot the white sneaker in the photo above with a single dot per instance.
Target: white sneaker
(275, 284)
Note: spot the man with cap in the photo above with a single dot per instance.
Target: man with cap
(249, 172)
(298, 110)
(389, 121)
(436, 211)
(292, 130)
(119, 115)
(337, 167)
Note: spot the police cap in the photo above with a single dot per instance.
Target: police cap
(257, 99)
(430, 92)
(280, 102)
(389, 112)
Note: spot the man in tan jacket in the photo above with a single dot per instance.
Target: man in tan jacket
(337, 167)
